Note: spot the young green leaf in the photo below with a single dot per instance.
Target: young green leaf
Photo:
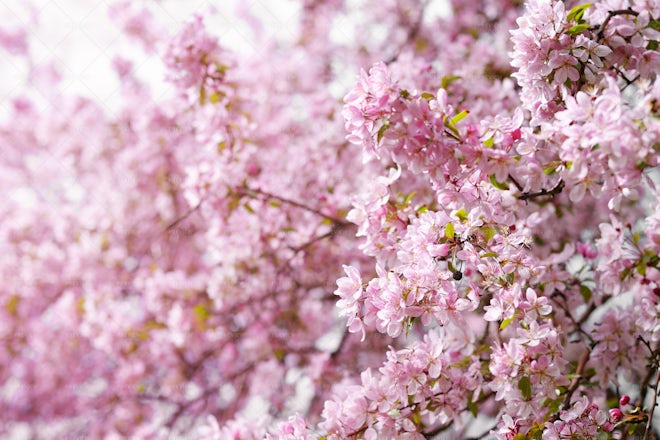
(506, 323)
(462, 215)
(381, 132)
(447, 80)
(576, 12)
(577, 29)
(458, 117)
(499, 185)
(449, 230)
(585, 292)
(525, 387)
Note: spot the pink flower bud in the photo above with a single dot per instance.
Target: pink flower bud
(624, 400)
(616, 414)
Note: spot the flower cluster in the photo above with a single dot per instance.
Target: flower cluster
(499, 238)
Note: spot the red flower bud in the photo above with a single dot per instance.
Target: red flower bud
(616, 414)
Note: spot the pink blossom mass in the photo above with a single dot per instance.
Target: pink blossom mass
(398, 223)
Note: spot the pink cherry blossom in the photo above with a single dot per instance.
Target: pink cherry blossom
(472, 191)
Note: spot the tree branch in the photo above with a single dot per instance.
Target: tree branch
(544, 192)
(649, 422)
(257, 193)
(601, 30)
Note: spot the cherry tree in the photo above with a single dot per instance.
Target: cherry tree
(398, 224)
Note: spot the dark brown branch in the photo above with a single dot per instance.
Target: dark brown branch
(653, 363)
(601, 30)
(544, 192)
(577, 379)
(649, 422)
(515, 182)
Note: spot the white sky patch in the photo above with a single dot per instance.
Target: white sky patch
(79, 40)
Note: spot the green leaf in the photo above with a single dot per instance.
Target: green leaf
(12, 304)
(405, 94)
(576, 12)
(473, 407)
(248, 208)
(201, 312)
(489, 142)
(654, 24)
(641, 268)
(552, 167)
(458, 117)
(422, 209)
(449, 230)
(553, 406)
(496, 184)
(577, 29)
(536, 433)
(200, 315)
(202, 95)
(585, 292)
(381, 131)
(428, 96)
(506, 322)
(448, 79)
(488, 232)
(525, 387)
(451, 127)
(462, 215)
(275, 204)
(625, 273)
(489, 255)
(409, 198)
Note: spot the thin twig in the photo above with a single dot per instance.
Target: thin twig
(544, 192)
(183, 217)
(515, 182)
(577, 379)
(412, 33)
(629, 11)
(649, 422)
(335, 228)
(259, 192)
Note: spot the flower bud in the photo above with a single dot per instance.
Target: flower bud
(616, 414)
(624, 400)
